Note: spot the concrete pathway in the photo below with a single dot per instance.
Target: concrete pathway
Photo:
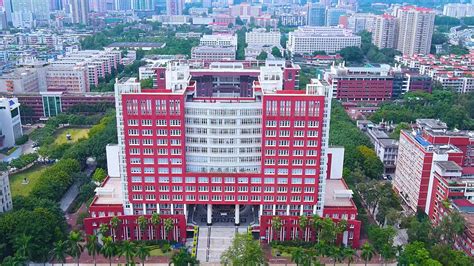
(69, 197)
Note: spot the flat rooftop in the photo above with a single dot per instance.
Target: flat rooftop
(110, 192)
(449, 166)
(337, 194)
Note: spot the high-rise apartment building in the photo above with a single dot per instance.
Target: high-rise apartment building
(458, 10)
(316, 14)
(26, 13)
(5, 193)
(333, 15)
(415, 29)
(174, 7)
(385, 31)
(80, 11)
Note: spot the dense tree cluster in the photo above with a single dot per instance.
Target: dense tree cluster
(456, 109)
(24, 160)
(368, 51)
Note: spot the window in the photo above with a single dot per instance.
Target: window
(269, 180)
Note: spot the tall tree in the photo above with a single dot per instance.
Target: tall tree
(155, 221)
(142, 223)
(183, 258)
(93, 247)
(128, 249)
(23, 247)
(277, 225)
(168, 225)
(59, 251)
(243, 251)
(75, 245)
(114, 222)
(143, 252)
(304, 222)
(367, 252)
(109, 248)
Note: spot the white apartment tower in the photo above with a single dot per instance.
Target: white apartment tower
(385, 31)
(415, 29)
(5, 193)
(10, 122)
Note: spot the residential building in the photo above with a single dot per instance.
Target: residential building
(174, 7)
(458, 10)
(361, 21)
(5, 193)
(219, 40)
(245, 11)
(72, 79)
(415, 29)
(316, 14)
(263, 155)
(333, 15)
(306, 40)
(385, 147)
(451, 71)
(213, 53)
(419, 150)
(80, 11)
(385, 31)
(368, 84)
(10, 122)
(262, 37)
(293, 20)
(27, 13)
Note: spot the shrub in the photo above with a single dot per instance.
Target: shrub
(24, 160)
(21, 140)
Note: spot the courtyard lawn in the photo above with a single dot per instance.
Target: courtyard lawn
(76, 134)
(157, 252)
(32, 174)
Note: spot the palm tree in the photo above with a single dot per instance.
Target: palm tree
(114, 222)
(183, 258)
(169, 225)
(92, 246)
(109, 249)
(336, 254)
(143, 252)
(387, 252)
(142, 222)
(59, 251)
(103, 229)
(299, 256)
(23, 248)
(13, 261)
(277, 225)
(367, 252)
(128, 249)
(75, 247)
(304, 221)
(316, 224)
(155, 221)
(349, 254)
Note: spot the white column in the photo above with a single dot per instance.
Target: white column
(301, 210)
(158, 208)
(172, 208)
(185, 212)
(288, 209)
(315, 209)
(144, 208)
(260, 211)
(237, 214)
(209, 214)
(274, 209)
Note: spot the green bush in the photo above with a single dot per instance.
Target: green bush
(24, 160)
(21, 140)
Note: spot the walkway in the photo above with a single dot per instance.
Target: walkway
(214, 240)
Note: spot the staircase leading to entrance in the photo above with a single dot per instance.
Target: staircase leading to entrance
(214, 240)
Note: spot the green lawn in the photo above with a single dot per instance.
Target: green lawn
(32, 175)
(157, 252)
(282, 254)
(76, 134)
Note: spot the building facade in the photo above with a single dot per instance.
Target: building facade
(5, 193)
(328, 39)
(316, 14)
(261, 37)
(458, 10)
(232, 135)
(10, 122)
(385, 31)
(415, 29)
(212, 53)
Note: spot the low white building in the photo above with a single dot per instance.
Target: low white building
(10, 122)
(306, 40)
(458, 10)
(262, 37)
(219, 40)
(5, 193)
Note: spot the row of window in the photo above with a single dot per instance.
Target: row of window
(287, 123)
(296, 143)
(135, 160)
(292, 108)
(223, 112)
(173, 142)
(225, 180)
(253, 189)
(148, 106)
(150, 151)
(178, 197)
(271, 152)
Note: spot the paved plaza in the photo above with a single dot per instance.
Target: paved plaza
(214, 240)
